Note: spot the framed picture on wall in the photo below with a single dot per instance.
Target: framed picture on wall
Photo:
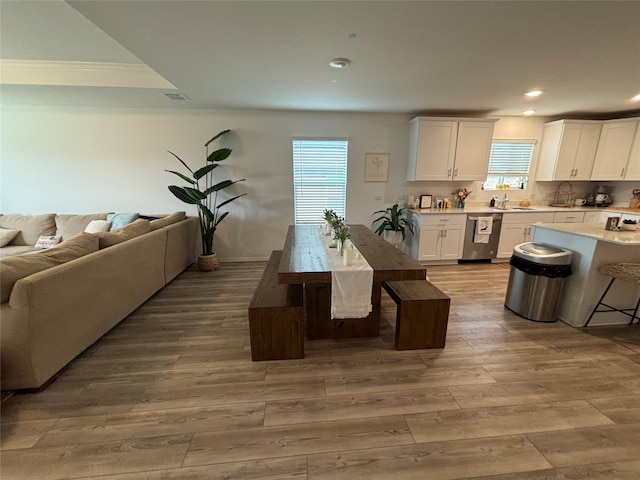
(376, 167)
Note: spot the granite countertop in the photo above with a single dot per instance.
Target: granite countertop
(595, 230)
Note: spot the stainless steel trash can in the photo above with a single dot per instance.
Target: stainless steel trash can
(535, 280)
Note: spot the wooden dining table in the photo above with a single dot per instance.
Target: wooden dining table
(304, 261)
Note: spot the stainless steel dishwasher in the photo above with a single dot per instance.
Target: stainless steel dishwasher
(474, 249)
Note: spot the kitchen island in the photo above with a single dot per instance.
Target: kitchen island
(592, 247)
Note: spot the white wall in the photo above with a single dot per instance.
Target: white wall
(80, 160)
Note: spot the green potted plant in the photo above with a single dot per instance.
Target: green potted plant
(393, 223)
(205, 197)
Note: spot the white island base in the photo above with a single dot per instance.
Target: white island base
(592, 247)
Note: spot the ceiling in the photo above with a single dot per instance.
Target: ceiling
(420, 57)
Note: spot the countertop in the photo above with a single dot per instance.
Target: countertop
(517, 209)
(594, 230)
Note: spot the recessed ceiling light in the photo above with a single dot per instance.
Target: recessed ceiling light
(636, 98)
(529, 112)
(339, 62)
(533, 93)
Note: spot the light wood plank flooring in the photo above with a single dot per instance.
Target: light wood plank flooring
(171, 393)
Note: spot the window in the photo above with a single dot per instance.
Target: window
(509, 164)
(319, 178)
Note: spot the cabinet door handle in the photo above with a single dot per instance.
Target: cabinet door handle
(448, 173)
(622, 173)
(455, 173)
(575, 174)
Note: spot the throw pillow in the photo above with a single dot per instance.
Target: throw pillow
(119, 220)
(6, 235)
(47, 241)
(96, 226)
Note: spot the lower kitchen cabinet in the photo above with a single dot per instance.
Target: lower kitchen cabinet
(516, 229)
(439, 237)
(568, 217)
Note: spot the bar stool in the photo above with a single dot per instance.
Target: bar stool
(627, 272)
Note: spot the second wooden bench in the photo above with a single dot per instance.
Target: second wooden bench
(422, 314)
(276, 317)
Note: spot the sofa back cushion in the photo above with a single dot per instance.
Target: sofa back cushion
(31, 227)
(168, 220)
(14, 268)
(69, 225)
(132, 230)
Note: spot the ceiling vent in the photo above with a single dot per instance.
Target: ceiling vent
(176, 96)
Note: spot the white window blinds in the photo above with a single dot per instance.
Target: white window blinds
(319, 178)
(511, 158)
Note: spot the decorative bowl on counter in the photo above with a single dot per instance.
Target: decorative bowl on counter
(628, 226)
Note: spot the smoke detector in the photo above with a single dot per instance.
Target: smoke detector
(339, 63)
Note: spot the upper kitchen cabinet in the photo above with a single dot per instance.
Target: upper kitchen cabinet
(449, 148)
(633, 167)
(568, 150)
(614, 151)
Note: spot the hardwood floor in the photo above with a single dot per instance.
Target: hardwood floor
(171, 393)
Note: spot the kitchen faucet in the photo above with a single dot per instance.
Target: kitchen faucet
(505, 199)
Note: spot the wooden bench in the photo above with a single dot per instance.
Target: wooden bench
(276, 316)
(422, 314)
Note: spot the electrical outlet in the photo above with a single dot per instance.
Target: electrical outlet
(377, 198)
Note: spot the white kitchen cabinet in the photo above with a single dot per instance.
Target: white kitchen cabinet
(449, 149)
(571, 216)
(568, 150)
(594, 217)
(614, 150)
(633, 167)
(516, 229)
(439, 237)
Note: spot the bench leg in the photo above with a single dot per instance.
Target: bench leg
(276, 333)
(422, 324)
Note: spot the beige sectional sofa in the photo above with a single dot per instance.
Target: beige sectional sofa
(57, 302)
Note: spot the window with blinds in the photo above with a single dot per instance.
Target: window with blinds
(319, 178)
(509, 164)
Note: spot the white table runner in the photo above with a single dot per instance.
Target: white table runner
(351, 285)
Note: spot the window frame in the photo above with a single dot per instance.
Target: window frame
(513, 173)
(336, 187)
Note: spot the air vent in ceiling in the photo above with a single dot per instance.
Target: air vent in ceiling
(176, 96)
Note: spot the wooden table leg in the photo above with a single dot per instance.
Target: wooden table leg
(321, 325)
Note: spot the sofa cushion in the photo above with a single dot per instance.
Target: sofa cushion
(132, 230)
(97, 226)
(7, 235)
(30, 227)
(16, 267)
(69, 225)
(47, 241)
(119, 220)
(11, 250)
(168, 220)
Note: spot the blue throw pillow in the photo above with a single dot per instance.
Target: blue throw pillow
(119, 220)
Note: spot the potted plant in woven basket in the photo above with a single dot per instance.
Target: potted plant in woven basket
(202, 192)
